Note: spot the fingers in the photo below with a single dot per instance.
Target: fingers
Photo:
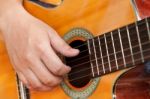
(53, 62)
(39, 67)
(22, 78)
(36, 75)
(44, 75)
(61, 46)
(33, 81)
(41, 80)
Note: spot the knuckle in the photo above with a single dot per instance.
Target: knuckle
(54, 83)
(42, 52)
(51, 83)
(40, 46)
(58, 69)
(47, 82)
(27, 56)
(37, 86)
(27, 62)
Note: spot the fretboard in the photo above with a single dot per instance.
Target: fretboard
(119, 49)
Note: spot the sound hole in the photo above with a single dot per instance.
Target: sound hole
(80, 65)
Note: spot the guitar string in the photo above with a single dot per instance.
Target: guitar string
(97, 47)
(77, 65)
(101, 70)
(117, 32)
(107, 69)
(94, 73)
(142, 30)
(115, 59)
(33, 92)
(81, 70)
(110, 42)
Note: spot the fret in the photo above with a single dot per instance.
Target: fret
(148, 19)
(147, 26)
(92, 67)
(107, 53)
(80, 64)
(99, 58)
(131, 51)
(144, 37)
(148, 32)
(126, 47)
(114, 51)
(124, 62)
(134, 42)
(95, 56)
(118, 48)
(104, 53)
(138, 35)
(100, 49)
(111, 56)
(92, 56)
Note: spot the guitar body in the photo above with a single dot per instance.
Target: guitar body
(134, 83)
(70, 19)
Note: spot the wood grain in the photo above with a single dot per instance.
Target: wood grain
(97, 16)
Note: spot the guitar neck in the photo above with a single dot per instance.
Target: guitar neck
(119, 49)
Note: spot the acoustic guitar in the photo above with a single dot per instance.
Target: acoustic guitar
(114, 50)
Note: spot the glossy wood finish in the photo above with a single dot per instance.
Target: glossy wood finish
(8, 84)
(98, 16)
(143, 8)
(134, 83)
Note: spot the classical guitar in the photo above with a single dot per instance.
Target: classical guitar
(114, 50)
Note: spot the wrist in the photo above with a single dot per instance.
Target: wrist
(6, 5)
(11, 12)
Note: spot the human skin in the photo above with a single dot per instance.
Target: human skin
(32, 47)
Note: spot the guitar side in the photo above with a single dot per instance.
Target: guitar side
(96, 16)
(9, 88)
(114, 13)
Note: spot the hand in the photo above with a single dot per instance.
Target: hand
(31, 46)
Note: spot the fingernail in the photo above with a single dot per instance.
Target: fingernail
(68, 68)
(76, 51)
